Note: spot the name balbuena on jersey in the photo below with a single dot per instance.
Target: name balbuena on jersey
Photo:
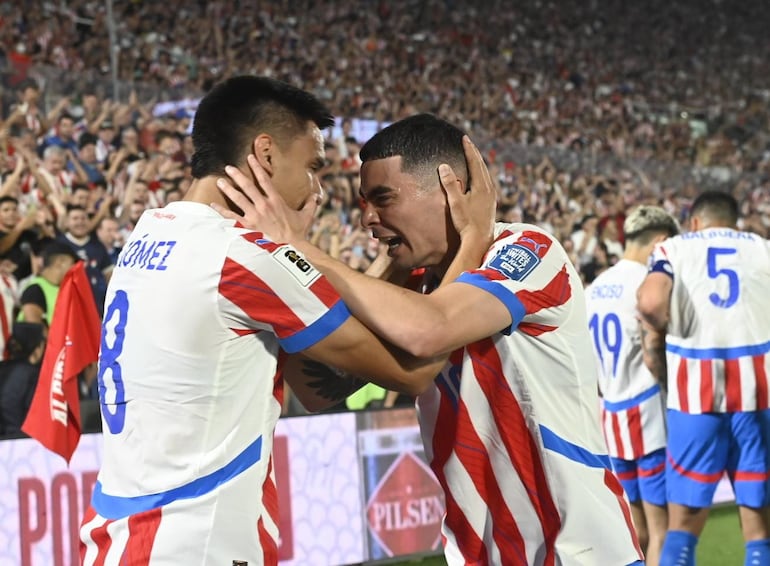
(511, 426)
(718, 336)
(633, 407)
(197, 313)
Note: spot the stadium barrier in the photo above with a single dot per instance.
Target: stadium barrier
(353, 488)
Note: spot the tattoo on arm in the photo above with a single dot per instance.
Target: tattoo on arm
(330, 383)
(654, 349)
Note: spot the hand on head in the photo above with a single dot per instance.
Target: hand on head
(264, 209)
(473, 211)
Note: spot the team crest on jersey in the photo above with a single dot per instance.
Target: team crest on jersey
(515, 261)
(296, 265)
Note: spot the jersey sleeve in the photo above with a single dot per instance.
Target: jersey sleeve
(659, 261)
(527, 271)
(268, 286)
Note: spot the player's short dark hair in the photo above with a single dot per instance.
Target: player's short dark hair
(9, 198)
(237, 110)
(716, 205)
(423, 141)
(75, 207)
(24, 338)
(54, 249)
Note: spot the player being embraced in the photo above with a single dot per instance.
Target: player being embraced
(203, 318)
(705, 307)
(633, 410)
(509, 425)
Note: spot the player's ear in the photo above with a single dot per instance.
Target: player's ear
(264, 146)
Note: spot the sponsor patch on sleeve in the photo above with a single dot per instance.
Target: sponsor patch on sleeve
(297, 266)
(515, 261)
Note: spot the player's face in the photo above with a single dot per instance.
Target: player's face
(295, 167)
(9, 215)
(412, 219)
(77, 223)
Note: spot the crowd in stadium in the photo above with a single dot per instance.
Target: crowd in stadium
(582, 111)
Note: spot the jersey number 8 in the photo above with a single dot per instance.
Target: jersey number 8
(114, 412)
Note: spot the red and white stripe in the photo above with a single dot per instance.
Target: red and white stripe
(509, 500)
(703, 386)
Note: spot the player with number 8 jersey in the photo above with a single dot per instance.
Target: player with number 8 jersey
(202, 323)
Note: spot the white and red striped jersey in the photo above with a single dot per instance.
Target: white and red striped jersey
(198, 313)
(718, 336)
(511, 426)
(633, 407)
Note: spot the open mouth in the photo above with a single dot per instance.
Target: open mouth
(392, 242)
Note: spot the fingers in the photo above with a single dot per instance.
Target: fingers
(243, 182)
(263, 179)
(477, 169)
(449, 180)
(241, 200)
(309, 208)
(226, 212)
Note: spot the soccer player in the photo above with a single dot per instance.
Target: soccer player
(201, 315)
(633, 404)
(510, 425)
(705, 306)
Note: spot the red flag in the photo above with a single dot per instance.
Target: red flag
(73, 343)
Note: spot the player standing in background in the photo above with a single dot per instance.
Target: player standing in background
(200, 316)
(509, 425)
(633, 404)
(708, 294)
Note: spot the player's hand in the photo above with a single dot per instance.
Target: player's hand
(473, 211)
(263, 207)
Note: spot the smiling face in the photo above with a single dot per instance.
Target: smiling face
(408, 212)
(296, 165)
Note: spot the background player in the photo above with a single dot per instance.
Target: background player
(633, 404)
(510, 425)
(707, 292)
(199, 318)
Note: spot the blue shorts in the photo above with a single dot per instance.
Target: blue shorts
(702, 447)
(644, 479)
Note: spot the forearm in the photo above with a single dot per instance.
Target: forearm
(654, 352)
(318, 386)
(407, 319)
(398, 315)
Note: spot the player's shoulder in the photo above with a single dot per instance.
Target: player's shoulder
(522, 234)
(510, 229)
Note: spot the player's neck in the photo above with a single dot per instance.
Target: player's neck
(639, 254)
(205, 191)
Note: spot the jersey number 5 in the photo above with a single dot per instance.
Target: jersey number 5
(714, 271)
(115, 412)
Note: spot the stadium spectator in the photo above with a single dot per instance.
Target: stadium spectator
(19, 374)
(38, 298)
(87, 247)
